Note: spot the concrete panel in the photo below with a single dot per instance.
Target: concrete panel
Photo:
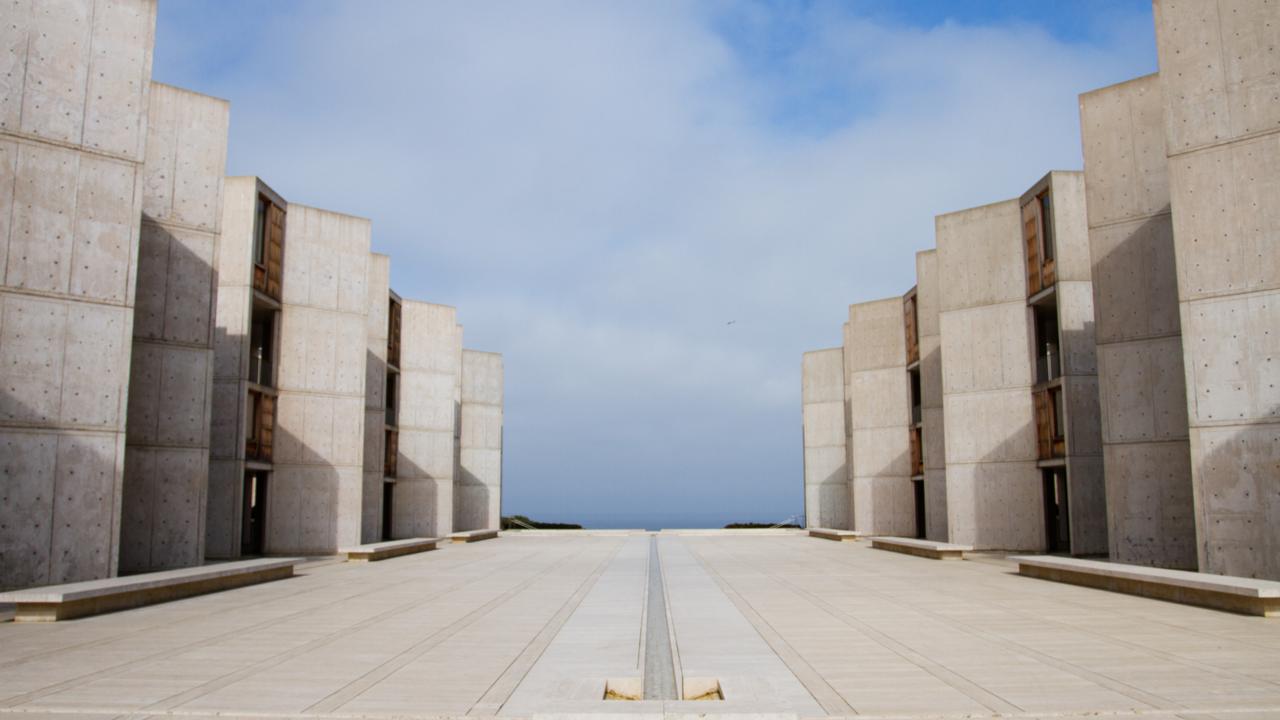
(935, 505)
(880, 337)
(85, 527)
(928, 294)
(1235, 471)
(32, 334)
(980, 256)
(185, 158)
(1233, 350)
(1070, 226)
(1135, 282)
(1219, 67)
(1087, 501)
(27, 466)
(995, 506)
(1075, 328)
(222, 513)
(1122, 129)
(986, 348)
(825, 437)
(994, 426)
(1149, 504)
(375, 387)
(884, 506)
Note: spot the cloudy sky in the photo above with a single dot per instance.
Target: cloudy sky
(652, 208)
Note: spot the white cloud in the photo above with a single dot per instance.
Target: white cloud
(601, 187)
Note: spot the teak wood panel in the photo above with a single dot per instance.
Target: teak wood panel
(910, 321)
(258, 442)
(393, 334)
(391, 451)
(267, 278)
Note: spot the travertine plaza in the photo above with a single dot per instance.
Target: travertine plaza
(242, 476)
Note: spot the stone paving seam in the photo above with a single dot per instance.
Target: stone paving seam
(1073, 668)
(955, 680)
(500, 691)
(21, 698)
(359, 686)
(823, 693)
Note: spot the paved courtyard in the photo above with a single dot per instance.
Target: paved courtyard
(536, 625)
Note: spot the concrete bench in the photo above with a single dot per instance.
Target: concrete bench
(1221, 592)
(837, 535)
(921, 548)
(63, 602)
(469, 536)
(372, 552)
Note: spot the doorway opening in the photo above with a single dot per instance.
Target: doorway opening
(1057, 515)
(917, 487)
(253, 516)
(388, 493)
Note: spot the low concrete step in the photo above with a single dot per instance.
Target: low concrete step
(837, 535)
(1221, 592)
(469, 536)
(92, 597)
(921, 548)
(372, 552)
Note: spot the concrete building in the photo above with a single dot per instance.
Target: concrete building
(431, 382)
(246, 365)
(171, 378)
(931, 425)
(826, 477)
(381, 398)
(477, 490)
(73, 118)
(1218, 69)
(883, 493)
(1142, 387)
(317, 487)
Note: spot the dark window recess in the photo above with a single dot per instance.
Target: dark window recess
(911, 323)
(917, 451)
(393, 399)
(393, 334)
(1048, 357)
(1046, 227)
(1057, 515)
(918, 491)
(260, 233)
(390, 453)
(253, 513)
(917, 414)
(262, 337)
(261, 426)
(388, 507)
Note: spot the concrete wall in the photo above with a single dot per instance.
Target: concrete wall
(826, 479)
(375, 402)
(317, 484)
(232, 322)
(1086, 487)
(73, 104)
(1219, 66)
(994, 495)
(167, 456)
(430, 377)
(1142, 391)
(477, 491)
(928, 304)
(880, 414)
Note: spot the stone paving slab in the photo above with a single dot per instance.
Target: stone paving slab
(526, 627)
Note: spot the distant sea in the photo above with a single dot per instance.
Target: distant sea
(666, 520)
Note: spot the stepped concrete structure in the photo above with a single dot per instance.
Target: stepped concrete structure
(431, 382)
(477, 490)
(317, 486)
(1218, 71)
(73, 138)
(826, 477)
(1142, 387)
(878, 396)
(166, 467)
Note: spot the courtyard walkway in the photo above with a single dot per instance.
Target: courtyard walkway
(528, 626)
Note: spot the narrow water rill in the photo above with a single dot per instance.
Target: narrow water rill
(659, 668)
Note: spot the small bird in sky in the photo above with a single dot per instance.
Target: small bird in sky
(731, 322)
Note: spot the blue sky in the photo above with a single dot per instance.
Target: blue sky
(601, 187)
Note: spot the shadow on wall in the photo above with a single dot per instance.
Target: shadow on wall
(56, 499)
(166, 465)
(471, 501)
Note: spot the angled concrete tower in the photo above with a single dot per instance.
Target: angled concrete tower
(381, 396)
(1219, 64)
(1142, 389)
(826, 480)
(880, 418)
(430, 377)
(931, 423)
(73, 118)
(477, 490)
(993, 485)
(171, 380)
